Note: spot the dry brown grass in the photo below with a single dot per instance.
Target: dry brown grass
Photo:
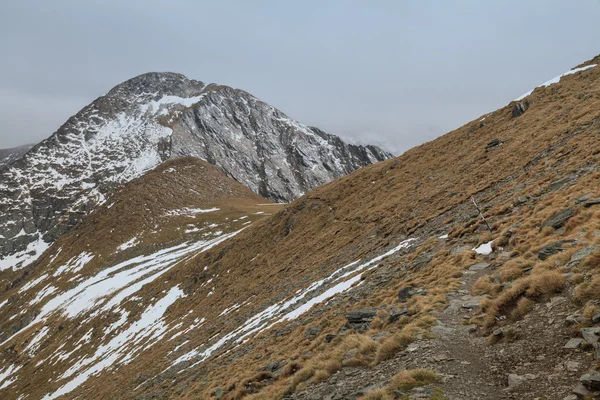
(377, 394)
(588, 290)
(392, 345)
(485, 285)
(533, 287)
(408, 379)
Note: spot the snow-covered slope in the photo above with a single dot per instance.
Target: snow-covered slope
(139, 124)
(9, 155)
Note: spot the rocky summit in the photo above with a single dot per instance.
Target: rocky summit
(143, 122)
(467, 268)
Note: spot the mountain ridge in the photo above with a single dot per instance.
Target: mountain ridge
(139, 124)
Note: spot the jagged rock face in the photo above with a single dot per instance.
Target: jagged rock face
(263, 148)
(143, 122)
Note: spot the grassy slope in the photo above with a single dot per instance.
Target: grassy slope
(422, 193)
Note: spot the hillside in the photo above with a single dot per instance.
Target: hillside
(382, 284)
(145, 121)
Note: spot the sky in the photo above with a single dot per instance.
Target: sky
(392, 73)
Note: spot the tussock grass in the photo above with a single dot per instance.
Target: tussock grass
(408, 379)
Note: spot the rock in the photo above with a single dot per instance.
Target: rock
(590, 335)
(379, 335)
(479, 266)
(218, 393)
(472, 328)
(396, 313)
(360, 320)
(570, 397)
(522, 199)
(406, 293)
(596, 318)
(441, 330)
(583, 199)
(550, 250)
(581, 254)
(518, 110)
(350, 354)
(492, 144)
(573, 343)
(572, 366)
(574, 319)
(591, 380)
(312, 332)
(361, 316)
(472, 302)
(592, 202)
(329, 337)
(460, 249)
(272, 366)
(571, 179)
(581, 391)
(515, 380)
(559, 218)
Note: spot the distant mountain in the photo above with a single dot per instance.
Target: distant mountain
(9, 155)
(145, 121)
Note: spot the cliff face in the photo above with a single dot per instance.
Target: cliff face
(143, 122)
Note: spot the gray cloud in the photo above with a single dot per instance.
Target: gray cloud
(394, 73)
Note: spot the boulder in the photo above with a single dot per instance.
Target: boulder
(361, 316)
(591, 380)
(581, 254)
(329, 337)
(492, 144)
(518, 110)
(573, 343)
(406, 293)
(312, 332)
(558, 219)
(272, 366)
(479, 266)
(592, 202)
(396, 313)
(551, 249)
(590, 335)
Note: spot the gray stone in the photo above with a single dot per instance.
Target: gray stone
(591, 380)
(558, 219)
(472, 301)
(590, 335)
(551, 249)
(518, 110)
(572, 366)
(272, 366)
(581, 391)
(515, 380)
(471, 328)
(312, 332)
(574, 319)
(218, 393)
(592, 202)
(479, 266)
(492, 144)
(583, 198)
(441, 330)
(361, 316)
(596, 318)
(406, 293)
(460, 249)
(329, 337)
(396, 313)
(581, 254)
(573, 343)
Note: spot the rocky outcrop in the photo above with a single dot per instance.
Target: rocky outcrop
(145, 121)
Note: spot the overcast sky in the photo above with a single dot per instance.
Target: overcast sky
(396, 73)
